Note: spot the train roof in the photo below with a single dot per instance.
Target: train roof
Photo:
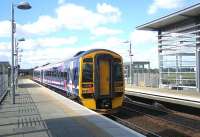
(49, 65)
(82, 53)
(76, 56)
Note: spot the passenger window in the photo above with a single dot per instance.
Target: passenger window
(65, 75)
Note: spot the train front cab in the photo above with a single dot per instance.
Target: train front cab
(101, 81)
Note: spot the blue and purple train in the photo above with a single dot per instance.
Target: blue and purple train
(94, 77)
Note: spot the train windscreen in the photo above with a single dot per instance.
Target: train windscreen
(117, 68)
(87, 73)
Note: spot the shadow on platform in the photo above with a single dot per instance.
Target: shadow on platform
(74, 126)
(55, 127)
(28, 85)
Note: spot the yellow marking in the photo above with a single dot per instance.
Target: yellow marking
(117, 102)
(89, 103)
(104, 77)
(80, 78)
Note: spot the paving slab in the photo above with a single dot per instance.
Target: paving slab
(187, 98)
(40, 112)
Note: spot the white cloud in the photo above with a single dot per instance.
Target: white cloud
(53, 54)
(78, 17)
(54, 42)
(111, 12)
(5, 30)
(68, 16)
(150, 54)
(40, 50)
(140, 37)
(111, 43)
(5, 51)
(4, 57)
(49, 42)
(38, 57)
(144, 46)
(107, 9)
(164, 4)
(103, 31)
(143, 50)
(44, 25)
(5, 46)
(61, 2)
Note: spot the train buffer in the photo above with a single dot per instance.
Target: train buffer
(39, 111)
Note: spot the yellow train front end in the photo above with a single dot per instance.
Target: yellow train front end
(101, 82)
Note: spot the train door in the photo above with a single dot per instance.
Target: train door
(104, 77)
(103, 81)
(41, 76)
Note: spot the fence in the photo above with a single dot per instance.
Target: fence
(143, 79)
(3, 84)
(4, 79)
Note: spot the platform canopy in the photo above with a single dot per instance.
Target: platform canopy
(189, 12)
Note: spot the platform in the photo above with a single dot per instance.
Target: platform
(40, 112)
(187, 98)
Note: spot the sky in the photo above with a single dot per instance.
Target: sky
(55, 30)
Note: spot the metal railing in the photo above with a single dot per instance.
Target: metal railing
(4, 85)
(144, 80)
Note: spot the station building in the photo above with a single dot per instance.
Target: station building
(26, 73)
(142, 75)
(137, 66)
(178, 48)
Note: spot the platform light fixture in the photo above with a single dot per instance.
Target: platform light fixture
(22, 6)
(130, 54)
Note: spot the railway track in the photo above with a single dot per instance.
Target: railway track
(139, 129)
(156, 120)
(165, 114)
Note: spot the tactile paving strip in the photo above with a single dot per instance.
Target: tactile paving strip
(29, 119)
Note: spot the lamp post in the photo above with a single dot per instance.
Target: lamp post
(23, 6)
(130, 54)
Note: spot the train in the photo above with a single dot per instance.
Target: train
(95, 78)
